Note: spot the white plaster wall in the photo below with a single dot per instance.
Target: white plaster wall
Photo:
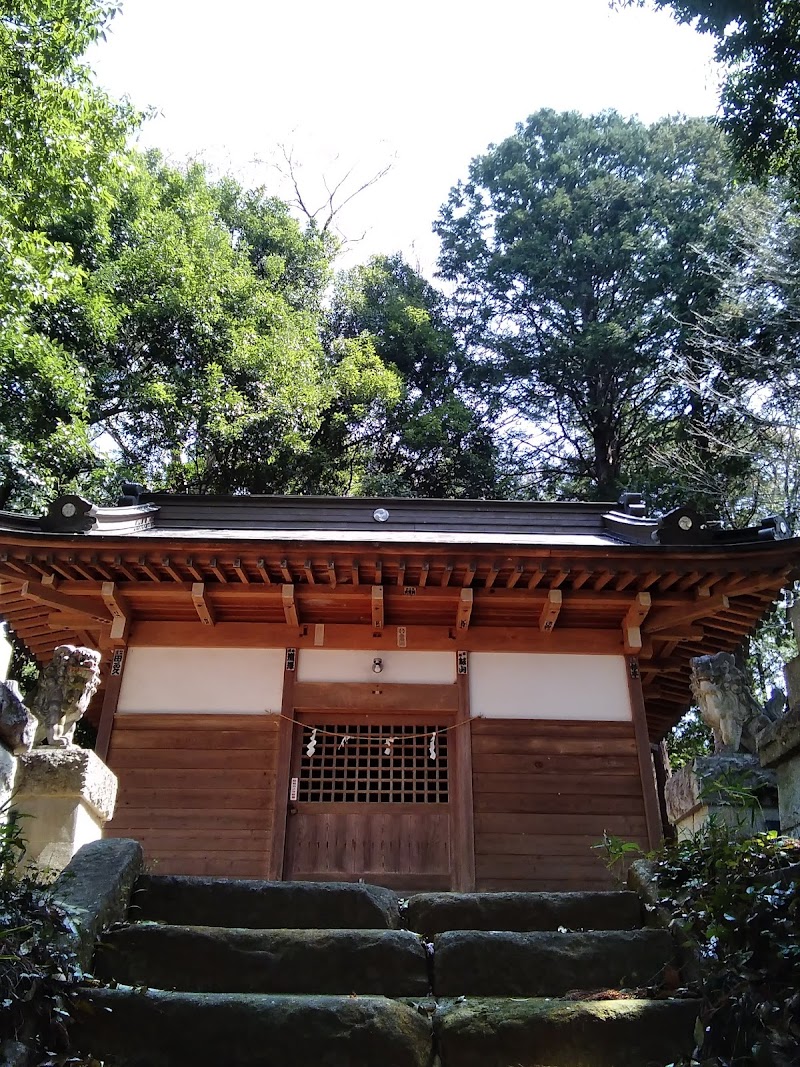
(415, 668)
(526, 685)
(218, 680)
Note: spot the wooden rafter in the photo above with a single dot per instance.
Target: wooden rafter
(166, 563)
(469, 573)
(263, 573)
(217, 571)
(240, 572)
(446, 573)
(536, 577)
(666, 619)
(283, 567)
(494, 570)
(46, 594)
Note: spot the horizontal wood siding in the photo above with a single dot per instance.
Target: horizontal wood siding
(198, 791)
(544, 793)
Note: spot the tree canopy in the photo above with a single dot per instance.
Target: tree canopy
(578, 249)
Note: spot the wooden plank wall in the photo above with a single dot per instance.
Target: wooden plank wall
(544, 792)
(198, 791)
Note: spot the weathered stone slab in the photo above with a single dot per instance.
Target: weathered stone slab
(542, 964)
(158, 1029)
(779, 748)
(212, 960)
(559, 1033)
(433, 913)
(95, 889)
(68, 795)
(253, 904)
(697, 791)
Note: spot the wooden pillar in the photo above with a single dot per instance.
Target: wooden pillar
(110, 701)
(285, 736)
(652, 811)
(462, 818)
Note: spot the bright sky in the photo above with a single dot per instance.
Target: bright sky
(423, 84)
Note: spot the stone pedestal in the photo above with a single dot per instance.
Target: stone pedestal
(779, 748)
(68, 795)
(697, 791)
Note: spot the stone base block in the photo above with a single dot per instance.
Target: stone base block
(779, 748)
(66, 796)
(709, 786)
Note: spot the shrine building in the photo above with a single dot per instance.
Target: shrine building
(421, 694)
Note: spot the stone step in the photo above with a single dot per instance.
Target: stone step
(201, 959)
(435, 913)
(252, 904)
(539, 964)
(562, 1033)
(127, 1028)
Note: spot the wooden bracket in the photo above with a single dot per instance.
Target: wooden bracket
(120, 611)
(46, 594)
(631, 624)
(669, 619)
(289, 606)
(464, 609)
(377, 607)
(202, 605)
(550, 611)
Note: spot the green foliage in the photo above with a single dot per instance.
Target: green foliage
(731, 896)
(61, 141)
(579, 249)
(688, 739)
(758, 42)
(36, 964)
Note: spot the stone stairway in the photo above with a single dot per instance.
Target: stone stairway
(246, 973)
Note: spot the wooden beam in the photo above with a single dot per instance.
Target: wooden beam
(309, 572)
(217, 571)
(377, 607)
(110, 701)
(668, 619)
(631, 640)
(283, 567)
(652, 809)
(401, 573)
(289, 605)
(166, 563)
(423, 573)
(494, 570)
(515, 575)
(462, 807)
(420, 638)
(469, 573)
(550, 611)
(202, 606)
(536, 577)
(124, 569)
(378, 579)
(446, 573)
(355, 577)
(464, 610)
(240, 572)
(331, 574)
(193, 571)
(120, 611)
(375, 696)
(45, 594)
(284, 769)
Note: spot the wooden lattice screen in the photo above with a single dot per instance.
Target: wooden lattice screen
(373, 764)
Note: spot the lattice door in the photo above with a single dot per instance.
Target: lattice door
(371, 763)
(370, 800)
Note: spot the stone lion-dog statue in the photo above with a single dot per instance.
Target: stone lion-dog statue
(726, 704)
(67, 684)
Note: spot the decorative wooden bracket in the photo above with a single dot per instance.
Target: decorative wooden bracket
(46, 594)
(201, 604)
(377, 608)
(120, 611)
(289, 606)
(464, 609)
(631, 624)
(668, 620)
(550, 611)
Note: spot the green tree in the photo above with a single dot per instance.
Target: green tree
(437, 439)
(758, 44)
(578, 249)
(61, 149)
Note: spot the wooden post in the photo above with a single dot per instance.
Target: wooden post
(652, 810)
(462, 861)
(285, 737)
(110, 701)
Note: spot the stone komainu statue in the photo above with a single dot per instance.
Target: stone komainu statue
(726, 704)
(67, 684)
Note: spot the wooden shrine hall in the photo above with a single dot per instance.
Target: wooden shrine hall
(438, 694)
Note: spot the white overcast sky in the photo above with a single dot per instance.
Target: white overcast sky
(426, 84)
